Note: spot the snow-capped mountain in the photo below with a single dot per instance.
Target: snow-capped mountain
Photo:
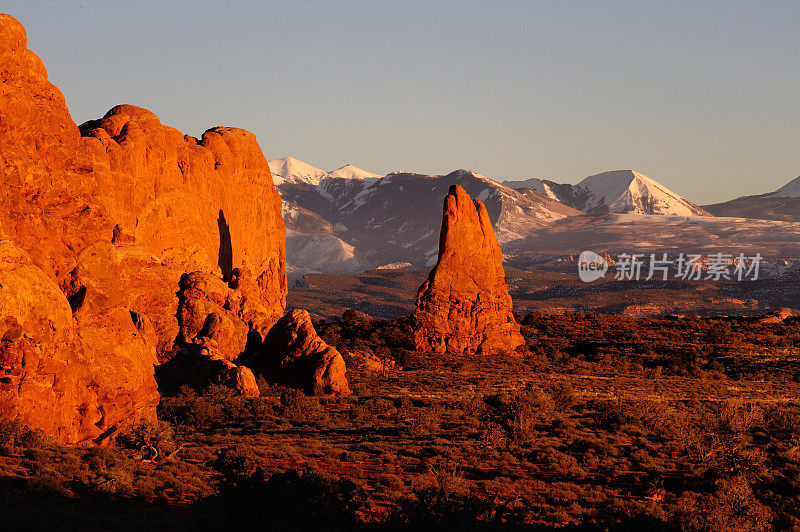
(351, 218)
(627, 191)
(619, 191)
(291, 170)
(789, 190)
(311, 197)
(349, 171)
(564, 193)
(400, 216)
(783, 204)
(397, 218)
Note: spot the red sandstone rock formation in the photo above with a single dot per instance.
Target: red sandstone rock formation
(78, 381)
(240, 311)
(464, 306)
(294, 355)
(372, 361)
(195, 204)
(217, 320)
(115, 212)
(202, 362)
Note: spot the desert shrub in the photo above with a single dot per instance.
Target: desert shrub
(351, 317)
(563, 395)
(443, 501)
(732, 506)
(390, 482)
(48, 480)
(14, 433)
(238, 466)
(298, 407)
(472, 405)
(519, 412)
(734, 418)
(10, 432)
(105, 471)
(782, 420)
(154, 440)
(369, 409)
(653, 416)
(428, 417)
(293, 500)
(216, 406)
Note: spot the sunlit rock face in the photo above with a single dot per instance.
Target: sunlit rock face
(99, 223)
(464, 306)
(79, 379)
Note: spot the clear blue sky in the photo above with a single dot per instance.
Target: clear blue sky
(703, 96)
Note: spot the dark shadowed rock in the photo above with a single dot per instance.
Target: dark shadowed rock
(294, 355)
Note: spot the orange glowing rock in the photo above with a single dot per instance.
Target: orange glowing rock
(464, 306)
(98, 225)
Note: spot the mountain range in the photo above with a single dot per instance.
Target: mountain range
(350, 220)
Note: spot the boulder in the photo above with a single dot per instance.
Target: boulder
(371, 361)
(234, 310)
(294, 355)
(201, 365)
(464, 305)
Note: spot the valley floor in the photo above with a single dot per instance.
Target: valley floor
(600, 422)
(552, 288)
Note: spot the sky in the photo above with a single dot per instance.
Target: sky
(701, 96)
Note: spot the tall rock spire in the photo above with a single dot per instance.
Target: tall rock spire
(464, 306)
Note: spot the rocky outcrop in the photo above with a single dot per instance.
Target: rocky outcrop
(201, 363)
(464, 306)
(114, 213)
(371, 361)
(779, 316)
(294, 355)
(233, 311)
(200, 204)
(218, 322)
(81, 381)
(109, 275)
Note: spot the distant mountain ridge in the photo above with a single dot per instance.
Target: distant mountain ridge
(782, 204)
(619, 192)
(789, 190)
(350, 220)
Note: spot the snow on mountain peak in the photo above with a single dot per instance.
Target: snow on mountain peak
(349, 171)
(789, 190)
(291, 170)
(628, 191)
(537, 185)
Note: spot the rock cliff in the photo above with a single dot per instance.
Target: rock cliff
(98, 224)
